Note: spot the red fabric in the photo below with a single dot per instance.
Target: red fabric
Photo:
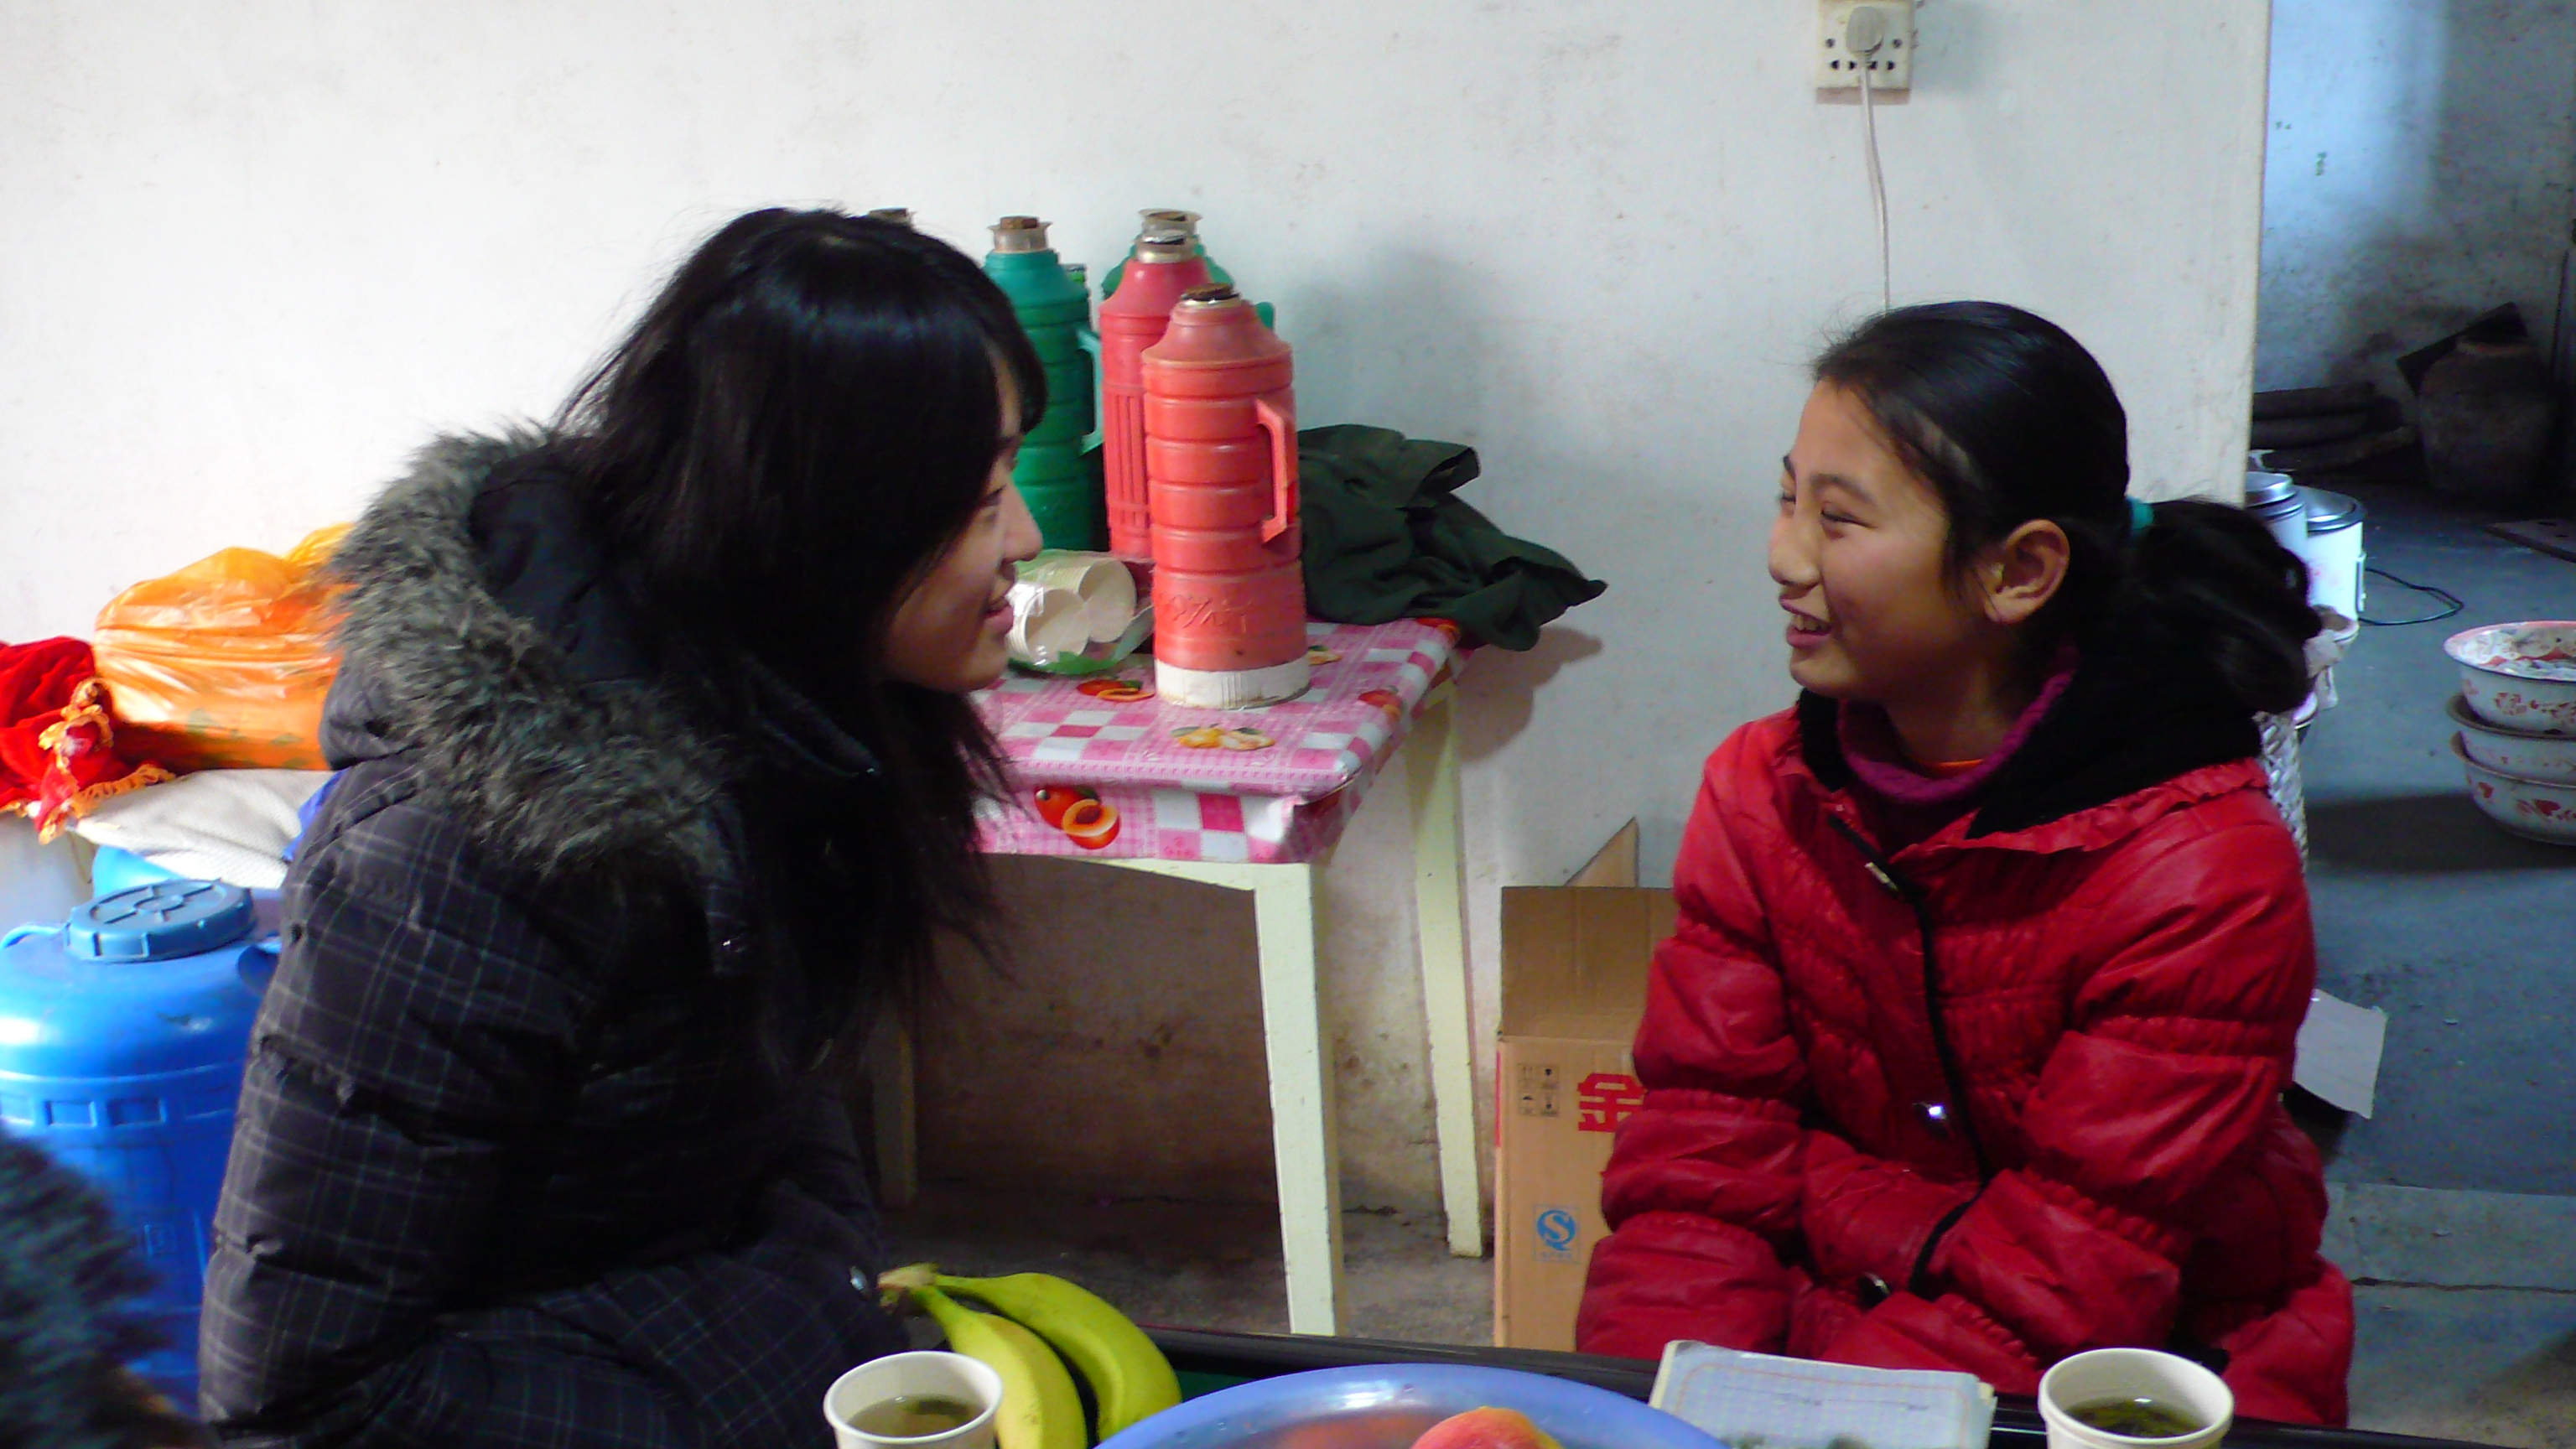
(57, 743)
(2122, 990)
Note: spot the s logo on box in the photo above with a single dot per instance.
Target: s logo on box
(1557, 1230)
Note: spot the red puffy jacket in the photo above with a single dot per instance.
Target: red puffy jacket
(1997, 1097)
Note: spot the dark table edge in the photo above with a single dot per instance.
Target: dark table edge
(2017, 1422)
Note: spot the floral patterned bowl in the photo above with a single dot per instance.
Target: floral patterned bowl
(2521, 676)
(2525, 754)
(2534, 809)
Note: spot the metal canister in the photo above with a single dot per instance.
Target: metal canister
(2336, 563)
(2274, 498)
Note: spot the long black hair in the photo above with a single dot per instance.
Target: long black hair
(73, 1313)
(796, 431)
(2011, 420)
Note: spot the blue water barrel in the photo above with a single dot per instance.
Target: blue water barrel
(122, 1037)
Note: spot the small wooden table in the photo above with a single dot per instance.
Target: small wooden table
(1253, 800)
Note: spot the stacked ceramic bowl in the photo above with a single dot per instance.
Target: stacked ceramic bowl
(2516, 713)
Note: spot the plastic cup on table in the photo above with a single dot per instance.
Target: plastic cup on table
(2133, 1373)
(907, 1375)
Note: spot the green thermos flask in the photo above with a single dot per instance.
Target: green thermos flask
(1062, 489)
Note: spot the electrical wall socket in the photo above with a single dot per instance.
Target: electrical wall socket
(1891, 69)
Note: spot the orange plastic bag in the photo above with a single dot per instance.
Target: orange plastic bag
(223, 664)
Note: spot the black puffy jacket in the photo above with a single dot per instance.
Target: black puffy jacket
(531, 1150)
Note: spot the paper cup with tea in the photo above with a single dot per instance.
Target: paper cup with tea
(914, 1401)
(2133, 1398)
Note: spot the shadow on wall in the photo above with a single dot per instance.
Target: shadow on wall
(1398, 322)
(2421, 168)
(1414, 324)
(1504, 687)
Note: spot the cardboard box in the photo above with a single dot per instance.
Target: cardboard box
(1574, 984)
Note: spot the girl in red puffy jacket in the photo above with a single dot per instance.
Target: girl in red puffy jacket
(1969, 1050)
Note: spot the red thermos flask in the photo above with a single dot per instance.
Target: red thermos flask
(1221, 459)
(1167, 263)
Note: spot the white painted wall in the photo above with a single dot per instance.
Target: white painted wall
(254, 252)
(2422, 169)
(39, 883)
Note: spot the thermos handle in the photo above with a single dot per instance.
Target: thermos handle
(23, 932)
(1089, 341)
(1282, 426)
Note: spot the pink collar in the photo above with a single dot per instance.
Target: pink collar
(1878, 761)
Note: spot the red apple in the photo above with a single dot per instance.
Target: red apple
(1487, 1429)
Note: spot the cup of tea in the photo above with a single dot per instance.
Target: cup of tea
(914, 1401)
(2134, 1398)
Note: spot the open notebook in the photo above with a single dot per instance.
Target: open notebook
(1759, 1401)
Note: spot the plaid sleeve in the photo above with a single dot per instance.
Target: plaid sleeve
(418, 1023)
(824, 1162)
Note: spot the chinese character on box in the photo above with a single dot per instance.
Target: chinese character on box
(1606, 1099)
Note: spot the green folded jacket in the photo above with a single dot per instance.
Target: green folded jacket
(1387, 537)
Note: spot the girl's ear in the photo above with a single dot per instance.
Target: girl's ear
(2019, 575)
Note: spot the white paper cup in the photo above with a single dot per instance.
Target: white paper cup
(950, 1375)
(2133, 1373)
(1046, 623)
(1106, 588)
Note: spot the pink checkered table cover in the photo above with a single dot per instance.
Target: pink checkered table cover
(1103, 768)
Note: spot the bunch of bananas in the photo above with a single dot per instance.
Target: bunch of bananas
(1035, 1318)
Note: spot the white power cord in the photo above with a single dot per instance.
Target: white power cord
(1877, 194)
(1863, 34)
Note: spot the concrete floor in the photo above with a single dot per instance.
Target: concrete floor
(2456, 1202)
(1202, 1265)
(2484, 1365)
(2461, 933)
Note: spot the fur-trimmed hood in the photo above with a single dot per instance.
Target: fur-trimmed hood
(489, 641)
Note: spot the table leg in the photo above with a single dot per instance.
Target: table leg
(1302, 1127)
(892, 1110)
(1439, 903)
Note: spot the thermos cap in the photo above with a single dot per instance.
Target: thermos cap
(899, 215)
(1167, 219)
(1019, 234)
(1165, 245)
(1220, 295)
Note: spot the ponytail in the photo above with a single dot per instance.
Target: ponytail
(2011, 420)
(2210, 580)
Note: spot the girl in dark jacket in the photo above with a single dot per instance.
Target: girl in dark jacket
(656, 774)
(1969, 1049)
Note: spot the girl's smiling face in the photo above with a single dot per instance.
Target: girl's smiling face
(1860, 551)
(951, 631)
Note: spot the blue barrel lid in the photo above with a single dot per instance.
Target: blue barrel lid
(142, 982)
(159, 921)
